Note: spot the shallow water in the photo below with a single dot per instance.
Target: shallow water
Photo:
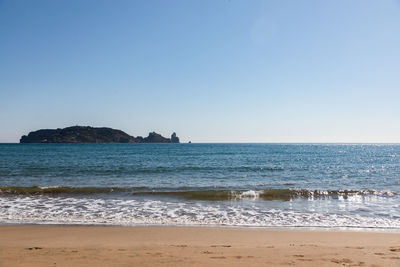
(264, 185)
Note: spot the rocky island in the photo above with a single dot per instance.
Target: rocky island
(87, 134)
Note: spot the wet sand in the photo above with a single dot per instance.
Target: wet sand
(181, 246)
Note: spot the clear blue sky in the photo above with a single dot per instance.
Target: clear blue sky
(213, 71)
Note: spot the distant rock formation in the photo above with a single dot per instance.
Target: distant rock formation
(156, 138)
(174, 138)
(87, 134)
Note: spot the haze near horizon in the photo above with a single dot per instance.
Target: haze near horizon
(211, 71)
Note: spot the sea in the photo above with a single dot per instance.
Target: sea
(301, 186)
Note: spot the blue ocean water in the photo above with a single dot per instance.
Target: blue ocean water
(263, 185)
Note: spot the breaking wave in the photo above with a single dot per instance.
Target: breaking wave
(284, 194)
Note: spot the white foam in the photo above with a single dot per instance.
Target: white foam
(47, 187)
(250, 194)
(131, 212)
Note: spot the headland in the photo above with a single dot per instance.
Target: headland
(88, 134)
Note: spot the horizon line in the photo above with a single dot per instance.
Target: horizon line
(355, 143)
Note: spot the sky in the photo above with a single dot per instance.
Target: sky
(210, 70)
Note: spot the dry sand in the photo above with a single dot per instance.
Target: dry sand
(180, 246)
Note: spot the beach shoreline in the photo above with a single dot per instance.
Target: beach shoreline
(64, 245)
(222, 226)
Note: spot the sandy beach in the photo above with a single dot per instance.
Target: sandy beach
(180, 246)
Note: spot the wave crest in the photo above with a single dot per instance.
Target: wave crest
(284, 194)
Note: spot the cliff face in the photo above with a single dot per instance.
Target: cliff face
(87, 134)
